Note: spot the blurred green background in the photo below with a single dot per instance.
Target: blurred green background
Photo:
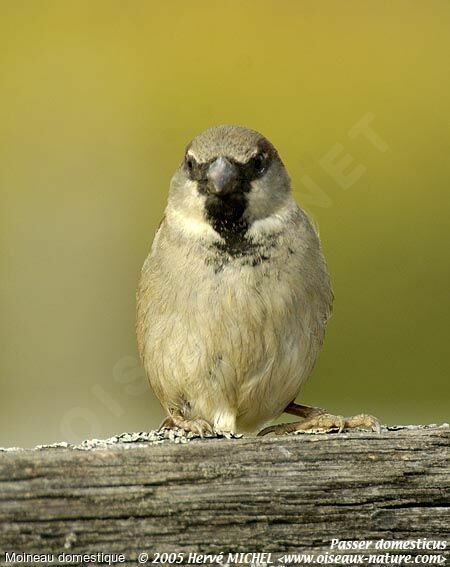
(98, 100)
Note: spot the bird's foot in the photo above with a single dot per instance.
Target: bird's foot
(198, 425)
(326, 421)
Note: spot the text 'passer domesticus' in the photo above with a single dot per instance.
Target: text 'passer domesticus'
(235, 294)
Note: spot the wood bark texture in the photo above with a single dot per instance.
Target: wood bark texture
(270, 494)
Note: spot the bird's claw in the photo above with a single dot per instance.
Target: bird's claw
(326, 421)
(364, 421)
(198, 426)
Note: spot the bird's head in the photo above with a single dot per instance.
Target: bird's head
(230, 177)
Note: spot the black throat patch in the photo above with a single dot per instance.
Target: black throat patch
(226, 216)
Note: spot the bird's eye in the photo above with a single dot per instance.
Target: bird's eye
(259, 163)
(190, 163)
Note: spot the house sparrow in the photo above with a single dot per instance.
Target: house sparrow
(235, 295)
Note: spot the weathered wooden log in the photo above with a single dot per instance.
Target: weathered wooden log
(297, 493)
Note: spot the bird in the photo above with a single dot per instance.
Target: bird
(235, 295)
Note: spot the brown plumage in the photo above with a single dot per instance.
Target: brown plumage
(235, 295)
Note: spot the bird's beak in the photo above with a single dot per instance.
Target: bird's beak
(222, 175)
